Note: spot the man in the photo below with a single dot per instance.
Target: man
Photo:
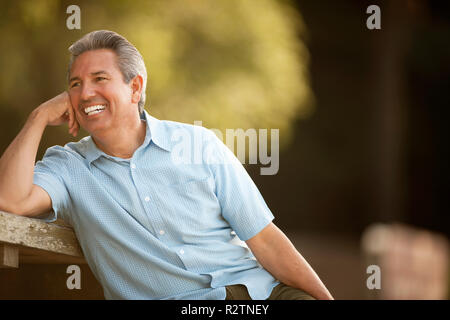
(149, 227)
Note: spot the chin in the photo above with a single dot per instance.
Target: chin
(95, 130)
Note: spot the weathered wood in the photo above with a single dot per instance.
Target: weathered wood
(9, 256)
(413, 262)
(39, 241)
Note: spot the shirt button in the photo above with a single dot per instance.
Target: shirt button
(161, 232)
(133, 166)
(181, 251)
(147, 199)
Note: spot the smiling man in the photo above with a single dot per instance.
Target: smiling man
(149, 228)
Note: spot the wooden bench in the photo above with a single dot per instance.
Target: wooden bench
(414, 262)
(30, 240)
(34, 257)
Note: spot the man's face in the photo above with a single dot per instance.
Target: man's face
(100, 97)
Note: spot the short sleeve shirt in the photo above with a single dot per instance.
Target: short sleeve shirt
(167, 223)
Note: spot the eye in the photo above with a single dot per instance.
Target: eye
(100, 78)
(75, 84)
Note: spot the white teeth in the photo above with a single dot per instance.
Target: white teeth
(94, 112)
(89, 110)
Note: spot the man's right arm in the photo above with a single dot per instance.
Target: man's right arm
(18, 194)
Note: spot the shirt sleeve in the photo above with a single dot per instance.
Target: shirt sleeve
(241, 202)
(50, 174)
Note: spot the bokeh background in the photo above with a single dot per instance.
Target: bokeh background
(362, 115)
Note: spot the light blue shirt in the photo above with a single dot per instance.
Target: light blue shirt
(166, 223)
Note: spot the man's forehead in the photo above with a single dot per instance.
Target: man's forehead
(92, 74)
(94, 62)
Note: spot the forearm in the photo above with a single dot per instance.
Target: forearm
(289, 267)
(278, 256)
(17, 162)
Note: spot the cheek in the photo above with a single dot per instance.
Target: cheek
(120, 96)
(78, 113)
(123, 90)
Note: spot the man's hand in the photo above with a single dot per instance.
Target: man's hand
(59, 110)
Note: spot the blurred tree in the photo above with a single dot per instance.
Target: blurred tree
(229, 63)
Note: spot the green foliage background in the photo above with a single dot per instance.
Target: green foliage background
(228, 63)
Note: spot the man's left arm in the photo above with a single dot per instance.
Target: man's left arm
(277, 255)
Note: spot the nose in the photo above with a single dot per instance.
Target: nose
(87, 93)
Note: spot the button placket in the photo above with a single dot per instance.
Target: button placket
(157, 224)
(145, 200)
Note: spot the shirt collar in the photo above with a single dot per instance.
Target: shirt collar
(155, 132)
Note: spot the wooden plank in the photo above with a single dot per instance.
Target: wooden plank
(414, 262)
(38, 235)
(34, 256)
(9, 256)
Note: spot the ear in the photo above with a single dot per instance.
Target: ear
(136, 88)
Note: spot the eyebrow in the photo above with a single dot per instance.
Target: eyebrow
(92, 74)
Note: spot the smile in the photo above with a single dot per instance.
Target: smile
(94, 109)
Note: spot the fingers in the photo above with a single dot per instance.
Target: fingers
(77, 127)
(71, 118)
(70, 113)
(74, 129)
(73, 123)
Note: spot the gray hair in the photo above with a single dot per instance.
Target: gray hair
(130, 61)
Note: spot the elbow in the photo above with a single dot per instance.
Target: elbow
(9, 207)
